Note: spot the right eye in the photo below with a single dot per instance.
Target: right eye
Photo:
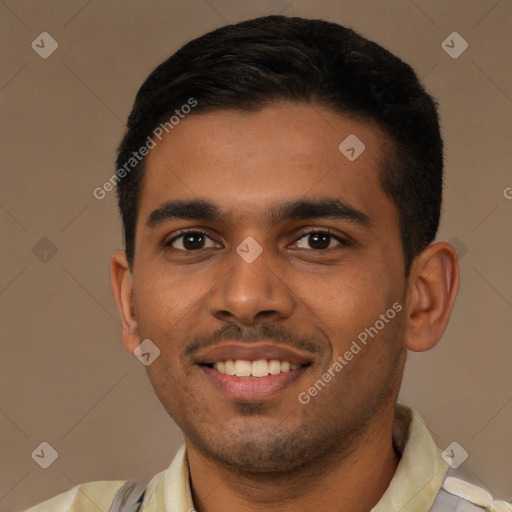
(191, 241)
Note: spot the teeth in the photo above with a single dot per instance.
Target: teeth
(229, 367)
(259, 368)
(274, 367)
(243, 368)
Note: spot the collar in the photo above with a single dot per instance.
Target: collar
(421, 470)
(414, 487)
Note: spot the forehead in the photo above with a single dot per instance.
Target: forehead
(246, 161)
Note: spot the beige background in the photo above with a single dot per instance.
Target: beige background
(65, 377)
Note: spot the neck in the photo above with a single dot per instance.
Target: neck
(339, 483)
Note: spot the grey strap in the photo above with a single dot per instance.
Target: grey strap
(128, 498)
(458, 495)
(446, 502)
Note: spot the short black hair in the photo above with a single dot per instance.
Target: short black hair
(252, 64)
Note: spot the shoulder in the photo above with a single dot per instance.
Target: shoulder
(462, 496)
(87, 497)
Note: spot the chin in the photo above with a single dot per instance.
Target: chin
(262, 449)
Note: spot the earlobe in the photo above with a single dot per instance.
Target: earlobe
(122, 288)
(433, 286)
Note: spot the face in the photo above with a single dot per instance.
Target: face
(262, 250)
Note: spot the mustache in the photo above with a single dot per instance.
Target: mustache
(260, 332)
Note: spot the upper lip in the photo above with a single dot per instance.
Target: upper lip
(252, 352)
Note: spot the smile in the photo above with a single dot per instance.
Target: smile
(252, 372)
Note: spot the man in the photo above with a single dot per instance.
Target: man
(280, 187)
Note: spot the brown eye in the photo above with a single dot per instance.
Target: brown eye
(317, 240)
(192, 241)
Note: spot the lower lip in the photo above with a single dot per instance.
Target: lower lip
(252, 389)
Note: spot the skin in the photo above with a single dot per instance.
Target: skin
(276, 453)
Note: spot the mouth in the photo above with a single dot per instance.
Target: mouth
(252, 373)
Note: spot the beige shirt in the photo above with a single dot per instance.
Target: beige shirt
(414, 487)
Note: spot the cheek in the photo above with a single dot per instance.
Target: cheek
(164, 317)
(169, 385)
(165, 304)
(352, 300)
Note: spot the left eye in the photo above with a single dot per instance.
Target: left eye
(317, 240)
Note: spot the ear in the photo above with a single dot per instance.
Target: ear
(122, 287)
(433, 285)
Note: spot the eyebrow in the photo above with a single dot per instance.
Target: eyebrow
(300, 209)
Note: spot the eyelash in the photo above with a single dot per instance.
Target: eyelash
(323, 231)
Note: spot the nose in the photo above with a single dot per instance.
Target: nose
(251, 292)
